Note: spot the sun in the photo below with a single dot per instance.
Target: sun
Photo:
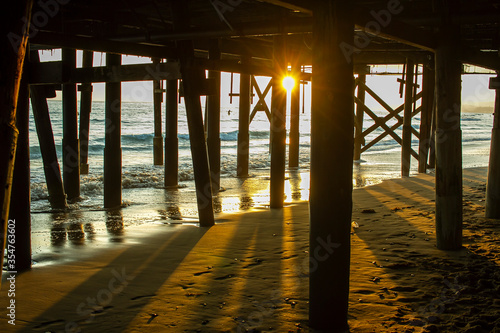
(288, 83)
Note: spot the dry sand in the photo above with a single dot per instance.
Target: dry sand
(249, 273)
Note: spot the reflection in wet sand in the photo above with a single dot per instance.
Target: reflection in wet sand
(114, 225)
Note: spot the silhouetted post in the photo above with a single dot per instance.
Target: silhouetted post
(53, 178)
(171, 140)
(406, 139)
(294, 147)
(71, 145)
(158, 137)
(493, 184)
(112, 137)
(358, 129)
(278, 125)
(20, 206)
(332, 141)
(243, 125)
(448, 135)
(85, 109)
(213, 106)
(192, 78)
(426, 118)
(11, 67)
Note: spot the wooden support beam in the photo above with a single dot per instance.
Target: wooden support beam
(294, 147)
(112, 137)
(332, 141)
(428, 87)
(52, 73)
(20, 207)
(493, 184)
(55, 39)
(158, 135)
(192, 77)
(384, 22)
(448, 135)
(13, 41)
(261, 103)
(51, 168)
(71, 145)
(407, 128)
(85, 109)
(278, 125)
(213, 121)
(53, 178)
(243, 125)
(358, 129)
(171, 140)
(295, 5)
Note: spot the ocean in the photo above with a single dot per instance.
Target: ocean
(146, 202)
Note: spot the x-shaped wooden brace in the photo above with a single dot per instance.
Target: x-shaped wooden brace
(261, 104)
(382, 122)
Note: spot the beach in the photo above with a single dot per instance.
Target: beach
(250, 272)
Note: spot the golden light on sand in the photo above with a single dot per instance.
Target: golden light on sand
(288, 83)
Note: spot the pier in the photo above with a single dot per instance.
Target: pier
(191, 43)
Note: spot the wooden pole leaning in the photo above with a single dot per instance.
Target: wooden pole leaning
(192, 77)
(11, 67)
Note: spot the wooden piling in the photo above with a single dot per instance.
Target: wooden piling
(448, 137)
(213, 119)
(55, 187)
(158, 135)
(408, 109)
(493, 184)
(332, 140)
(51, 168)
(20, 207)
(71, 145)
(192, 78)
(243, 125)
(85, 109)
(278, 125)
(358, 129)
(294, 146)
(428, 87)
(171, 140)
(11, 67)
(112, 137)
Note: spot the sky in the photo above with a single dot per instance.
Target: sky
(476, 96)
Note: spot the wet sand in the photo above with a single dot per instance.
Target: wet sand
(249, 272)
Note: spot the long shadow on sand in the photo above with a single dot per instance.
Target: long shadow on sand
(120, 287)
(420, 286)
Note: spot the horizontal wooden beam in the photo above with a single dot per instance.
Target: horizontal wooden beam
(489, 60)
(58, 40)
(295, 5)
(385, 23)
(52, 73)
